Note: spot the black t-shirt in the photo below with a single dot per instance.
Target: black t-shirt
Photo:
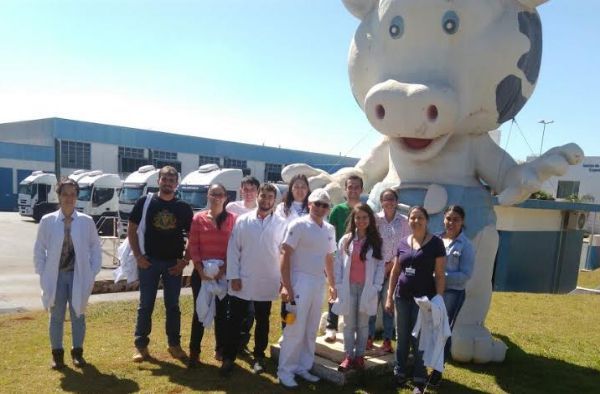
(417, 268)
(167, 224)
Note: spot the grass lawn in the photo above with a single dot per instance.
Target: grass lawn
(554, 347)
(589, 279)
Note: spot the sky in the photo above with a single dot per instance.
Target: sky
(270, 72)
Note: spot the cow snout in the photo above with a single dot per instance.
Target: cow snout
(400, 109)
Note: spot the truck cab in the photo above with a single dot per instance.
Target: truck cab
(193, 189)
(99, 198)
(37, 195)
(136, 185)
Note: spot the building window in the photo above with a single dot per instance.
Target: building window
(134, 153)
(75, 155)
(208, 160)
(162, 158)
(130, 159)
(272, 172)
(160, 154)
(234, 163)
(567, 189)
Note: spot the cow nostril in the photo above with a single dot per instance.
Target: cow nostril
(380, 112)
(432, 113)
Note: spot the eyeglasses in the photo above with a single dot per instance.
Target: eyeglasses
(216, 195)
(319, 204)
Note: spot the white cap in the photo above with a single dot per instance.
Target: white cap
(319, 195)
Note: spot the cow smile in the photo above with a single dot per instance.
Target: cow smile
(421, 148)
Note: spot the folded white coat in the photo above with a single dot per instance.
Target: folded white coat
(434, 329)
(205, 303)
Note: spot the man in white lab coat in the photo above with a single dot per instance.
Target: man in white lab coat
(254, 276)
(307, 252)
(67, 256)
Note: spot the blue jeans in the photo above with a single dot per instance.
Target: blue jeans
(388, 318)
(406, 317)
(64, 294)
(453, 299)
(149, 279)
(356, 329)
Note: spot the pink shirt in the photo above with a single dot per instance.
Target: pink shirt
(357, 266)
(206, 240)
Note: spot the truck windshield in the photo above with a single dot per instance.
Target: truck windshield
(29, 189)
(130, 194)
(194, 195)
(85, 193)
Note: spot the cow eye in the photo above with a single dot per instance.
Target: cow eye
(397, 27)
(450, 22)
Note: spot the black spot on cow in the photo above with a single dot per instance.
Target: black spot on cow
(529, 63)
(509, 98)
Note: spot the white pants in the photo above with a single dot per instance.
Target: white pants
(297, 352)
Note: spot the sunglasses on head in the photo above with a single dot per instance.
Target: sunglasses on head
(320, 204)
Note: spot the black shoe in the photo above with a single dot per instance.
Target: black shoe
(226, 368)
(77, 356)
(258, 366)
(58, 359)
(400, 380)
(193, 360)
(434, 379)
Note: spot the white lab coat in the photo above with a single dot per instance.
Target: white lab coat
(88, 257)
(374, 275)
(253, 256)
(279, 210)
(432, 324)
(128, 263)
(205, 303)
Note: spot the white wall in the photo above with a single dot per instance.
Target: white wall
(105, 158)
(189, 163)
(258, 169)
(587, 173)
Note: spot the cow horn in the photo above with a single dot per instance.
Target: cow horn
(531, 4)
(360, 8)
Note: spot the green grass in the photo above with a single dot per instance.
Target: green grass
(553, 344)
(589, 279)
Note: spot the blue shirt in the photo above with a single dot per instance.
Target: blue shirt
(460, 260)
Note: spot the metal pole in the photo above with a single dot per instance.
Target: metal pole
(543, 132)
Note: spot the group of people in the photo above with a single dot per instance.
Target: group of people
(248, 253)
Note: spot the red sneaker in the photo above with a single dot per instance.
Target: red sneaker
(345, 365)
(370, 344)
(387, 346)
(359, 363)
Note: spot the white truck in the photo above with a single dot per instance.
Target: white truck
(193, 189)
(37, 195)
(99, 198)
(136, 185)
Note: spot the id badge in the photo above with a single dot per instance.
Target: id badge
(410, 271)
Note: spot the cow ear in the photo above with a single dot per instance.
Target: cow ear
(532, 4)
(360, 8)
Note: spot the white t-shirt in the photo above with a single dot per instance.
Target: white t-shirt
(311, 244)
(238, 208)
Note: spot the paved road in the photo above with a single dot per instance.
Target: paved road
(19, 285)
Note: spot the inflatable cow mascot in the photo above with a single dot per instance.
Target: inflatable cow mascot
(434, 77)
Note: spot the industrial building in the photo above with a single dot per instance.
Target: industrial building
(63, 146)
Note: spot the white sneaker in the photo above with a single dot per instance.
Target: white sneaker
(309, 377)
(330, 335)
(289, 383)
